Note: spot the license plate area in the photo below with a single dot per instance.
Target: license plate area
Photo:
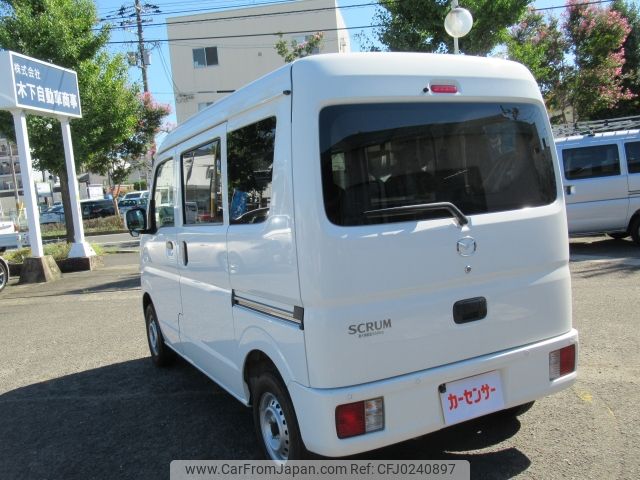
(471, 397)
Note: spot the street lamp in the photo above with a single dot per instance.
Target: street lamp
(457, 23)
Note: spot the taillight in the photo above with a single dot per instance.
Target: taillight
(444, 89)
(562, 362)
(359, 418)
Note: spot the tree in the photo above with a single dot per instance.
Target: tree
(295, 50)
(631, 67)
(66, 33)
(578, 63)
(418, 25)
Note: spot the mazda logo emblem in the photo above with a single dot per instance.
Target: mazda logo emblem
(467, 246)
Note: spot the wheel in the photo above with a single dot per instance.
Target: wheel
(4, 275)
(161, 355)
(634, 229)
(617, 235)
(275, 420)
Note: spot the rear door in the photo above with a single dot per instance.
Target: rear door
(596, 188)
(393, 279)
(207, 331)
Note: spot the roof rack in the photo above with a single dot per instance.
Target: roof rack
(596, 126)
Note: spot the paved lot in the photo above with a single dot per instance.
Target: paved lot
(79, 397)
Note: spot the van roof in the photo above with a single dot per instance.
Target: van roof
(617, 135)
(345, 65)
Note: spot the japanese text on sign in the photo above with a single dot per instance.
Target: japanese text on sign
(45, 87)
(475, 395)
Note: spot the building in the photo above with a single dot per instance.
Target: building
(212, 54)
(9, 176)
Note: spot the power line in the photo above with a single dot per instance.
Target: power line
(211, 9)
(273, 34)
(220, 37)
(257, 15)
(595, 2)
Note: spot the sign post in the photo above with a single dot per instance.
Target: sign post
(40, 88)
(30, 195)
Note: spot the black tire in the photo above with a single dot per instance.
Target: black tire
(275, 419)
(618, 235)
(634, 230)
(4, 275)
(161, 355)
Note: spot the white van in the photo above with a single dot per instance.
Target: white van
(602, 183)
(379, 249)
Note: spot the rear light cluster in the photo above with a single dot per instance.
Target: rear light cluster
(359, 418)
(562, 362)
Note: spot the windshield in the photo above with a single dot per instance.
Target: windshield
(481, 157)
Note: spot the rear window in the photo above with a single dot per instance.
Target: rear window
(481, 157)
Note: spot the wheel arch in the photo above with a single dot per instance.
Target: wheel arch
(146, 301)
(257, 361)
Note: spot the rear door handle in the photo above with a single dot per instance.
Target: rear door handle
(470, 310)
(169, 246)
(185, 254)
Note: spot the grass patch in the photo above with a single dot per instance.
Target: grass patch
(59, 251)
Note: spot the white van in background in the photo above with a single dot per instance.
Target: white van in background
(365, 248)
(602, 182)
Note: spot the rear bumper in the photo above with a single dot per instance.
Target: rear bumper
(412, 402)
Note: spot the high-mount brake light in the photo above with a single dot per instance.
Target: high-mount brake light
(444, 89)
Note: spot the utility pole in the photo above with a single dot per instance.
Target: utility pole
(141, 58)
(141, 50)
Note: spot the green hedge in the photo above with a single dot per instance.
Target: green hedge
(59, 251)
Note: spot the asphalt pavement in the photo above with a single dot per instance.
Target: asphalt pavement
(79, 397)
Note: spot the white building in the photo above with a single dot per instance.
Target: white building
(212, 54)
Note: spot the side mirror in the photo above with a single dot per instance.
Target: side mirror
(136, 221)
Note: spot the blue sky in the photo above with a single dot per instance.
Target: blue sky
(160, 70)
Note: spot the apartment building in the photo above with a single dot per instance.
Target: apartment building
(213, 54)
(9, 175)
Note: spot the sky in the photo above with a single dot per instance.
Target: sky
(159, 72)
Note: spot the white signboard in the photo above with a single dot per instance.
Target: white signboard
(37, 86)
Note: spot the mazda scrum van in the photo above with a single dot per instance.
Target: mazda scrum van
(602, 183)
(379, 249)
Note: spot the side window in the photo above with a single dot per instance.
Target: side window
(633, 156)
(164, 194)
(250, 166)
(591, 162)
(202, 186)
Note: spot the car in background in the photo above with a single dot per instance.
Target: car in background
(4, 273)
(136, 195)
(96, 209)
(9, 236)
(125, 205)
(602, 183)
(53, 214)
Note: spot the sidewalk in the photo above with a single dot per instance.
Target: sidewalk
(121, 271)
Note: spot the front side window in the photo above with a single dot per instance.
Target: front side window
(205, 57)
(591, 162)
(250, 153)
(633, 156)
(482, 157)
(164, 194)
(202, 186)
